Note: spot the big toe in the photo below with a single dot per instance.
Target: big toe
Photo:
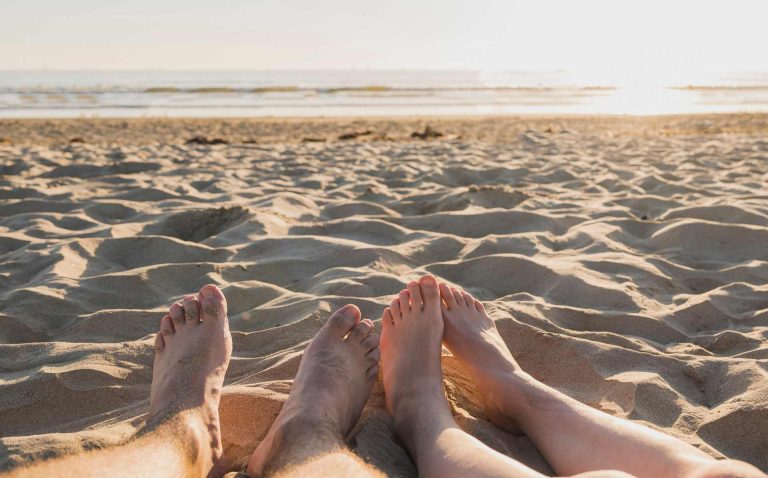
(342, 321)
(213, 305)
(430, 293)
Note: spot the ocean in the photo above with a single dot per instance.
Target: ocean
(59, 94)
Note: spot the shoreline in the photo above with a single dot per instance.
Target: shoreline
(493, 129)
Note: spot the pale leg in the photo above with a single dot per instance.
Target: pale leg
(573, 437)
(412, 331)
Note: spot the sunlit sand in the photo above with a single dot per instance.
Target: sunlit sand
(628, 252)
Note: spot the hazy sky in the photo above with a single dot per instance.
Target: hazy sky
(616, 36)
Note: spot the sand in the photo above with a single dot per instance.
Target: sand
(625, 261)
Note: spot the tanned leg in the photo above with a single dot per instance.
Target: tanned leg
(331, 387)
(573, 437)
(181, 437)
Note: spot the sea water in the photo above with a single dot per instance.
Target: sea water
(365, 93)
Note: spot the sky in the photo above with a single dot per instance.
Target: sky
(613, 37)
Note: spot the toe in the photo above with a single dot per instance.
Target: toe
(191, 308)
(457, 296)
(360, 331)
(470, 301)
(386, 318)
(405, 302)
(479, 306)
(415, 292)
(166, 325)
(430, 294)
(447, 296)
(370, 342)
(342, 321)
(394, 309)
(159, 343)
(177, 314)
(372, 371)
(213, 305)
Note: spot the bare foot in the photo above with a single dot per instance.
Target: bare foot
(412, 331)
(333, 383)
(192, 353)
(411, 341)
(471, 336)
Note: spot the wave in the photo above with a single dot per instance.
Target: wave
(297, 104)
(724, 88)
(364, 89)
(361, 90)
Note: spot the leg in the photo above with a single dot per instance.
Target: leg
(573, 437)
(175, 448)
(181, 437)
(329, 392)
(337, 464)
(412, 331)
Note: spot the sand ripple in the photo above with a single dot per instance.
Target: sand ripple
(629, 272)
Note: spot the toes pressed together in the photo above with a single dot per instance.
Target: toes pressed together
(340, 365)
(415, 297)
(362, 335)
(335, 376)
(192, 309)
(337, 370)
(346, 323)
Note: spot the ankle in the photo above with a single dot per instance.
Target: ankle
(500, 365)
(296, 418)
(414, 398)
(294, 438)
(421, 412)
(192, 436)
(293, 429)
(418, 424)
(508, 392)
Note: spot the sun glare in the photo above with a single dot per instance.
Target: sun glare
(299, 58)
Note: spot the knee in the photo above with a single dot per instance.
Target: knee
(727, 469)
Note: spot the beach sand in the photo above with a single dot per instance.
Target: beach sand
(624, 259)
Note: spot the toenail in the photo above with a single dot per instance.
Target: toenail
(429, 281)
(206, 292)
(350, 311)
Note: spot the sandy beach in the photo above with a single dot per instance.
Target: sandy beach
(624, 259)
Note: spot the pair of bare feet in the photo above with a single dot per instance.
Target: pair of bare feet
(336, 373)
